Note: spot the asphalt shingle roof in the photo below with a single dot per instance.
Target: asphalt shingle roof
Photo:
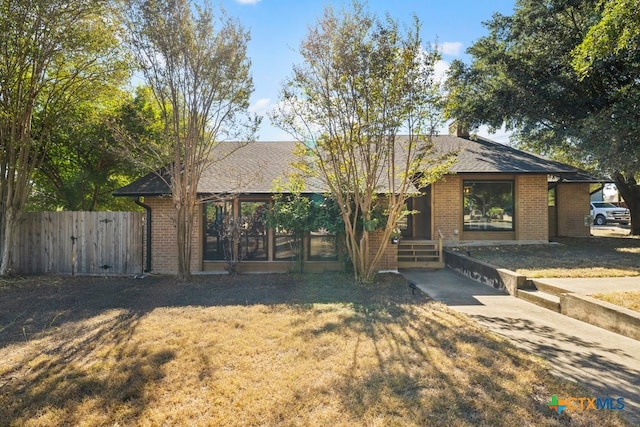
(484, 156)
(252, 168)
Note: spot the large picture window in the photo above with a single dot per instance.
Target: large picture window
(488, 206)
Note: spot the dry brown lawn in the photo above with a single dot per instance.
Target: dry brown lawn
(598, 256)
(627, 299)
(286, 350)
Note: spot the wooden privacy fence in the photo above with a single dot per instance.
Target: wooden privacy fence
(79, 243)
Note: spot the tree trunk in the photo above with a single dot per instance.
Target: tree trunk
(630, 191)
(8, 223)
(183, 230)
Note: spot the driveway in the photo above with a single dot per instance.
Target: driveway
(606, 363)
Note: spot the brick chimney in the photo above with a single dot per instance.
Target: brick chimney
(459, 129)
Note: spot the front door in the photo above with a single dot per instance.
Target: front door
(418, 225)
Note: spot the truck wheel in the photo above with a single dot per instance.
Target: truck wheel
(600, 220)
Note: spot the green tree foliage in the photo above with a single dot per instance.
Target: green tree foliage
(363, 82)
(297, 213)
(82, 169)
(523, 75)
(616, 33)
(197, 68)
(53, 54)
(613, 44)
(294, 214)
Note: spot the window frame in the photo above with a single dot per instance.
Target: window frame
(484, 215)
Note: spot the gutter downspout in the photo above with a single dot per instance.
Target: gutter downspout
(147, 208)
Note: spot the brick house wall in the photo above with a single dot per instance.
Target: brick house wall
(572, 205)
(531, 220)
(164, 239)
(532, 216)
(389, 259)
(447, 208)
(531, 208)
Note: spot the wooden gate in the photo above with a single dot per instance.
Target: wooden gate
(79, 243)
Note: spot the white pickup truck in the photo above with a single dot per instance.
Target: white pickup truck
(603, 212)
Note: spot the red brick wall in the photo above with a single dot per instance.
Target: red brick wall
(164, 240)
(389, 260)
(447, 207)
(572, 204)
(531, 210)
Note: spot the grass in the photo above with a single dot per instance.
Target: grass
(626, 299)
(261, 350)
(602, 256)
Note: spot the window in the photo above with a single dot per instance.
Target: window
(220, 223)
(215, 215)
(603, 205)
(323, 246)
(286, 247)
(253, 241)
(488, 206)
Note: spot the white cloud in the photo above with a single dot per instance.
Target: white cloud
(451, 48)
(440, 71)
(248, 1)
(261, 105)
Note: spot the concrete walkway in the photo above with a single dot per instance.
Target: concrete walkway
(606, 363)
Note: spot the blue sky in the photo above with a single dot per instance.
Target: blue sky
(278, 26)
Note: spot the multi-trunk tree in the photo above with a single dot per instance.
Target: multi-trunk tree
(363, 82)
(197, 68)
(557, 75)
(53, 54)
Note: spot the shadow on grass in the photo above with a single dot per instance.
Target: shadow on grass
(412, 362)
(51, 378)
(31, 307)
(433, 368)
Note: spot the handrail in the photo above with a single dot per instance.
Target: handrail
(440, 238)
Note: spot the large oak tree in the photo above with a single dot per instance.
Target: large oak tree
(524, 74)
(615, 41)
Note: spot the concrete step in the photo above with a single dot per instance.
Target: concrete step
(540, 298)
(403, 262)
(417, 251)
(420, 264)
(540, 285)
(418, 254)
